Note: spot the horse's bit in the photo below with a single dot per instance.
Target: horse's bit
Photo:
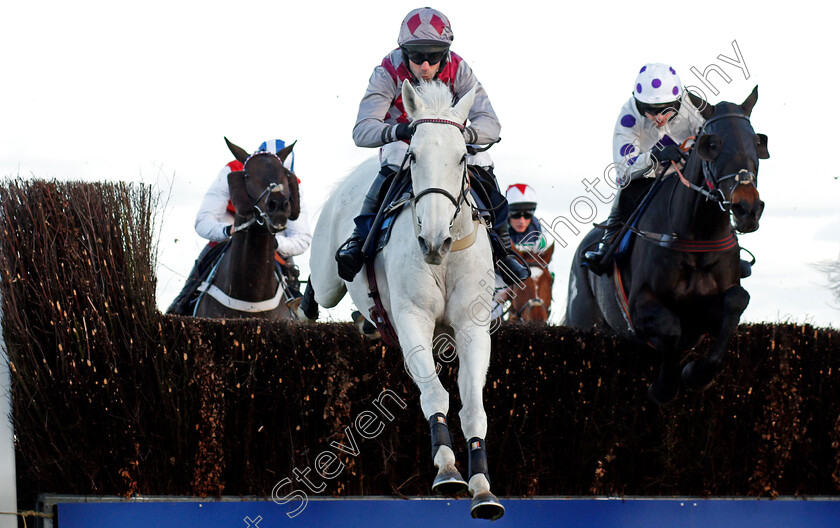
(742, 177)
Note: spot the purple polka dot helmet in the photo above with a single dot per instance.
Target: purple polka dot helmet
(657, 84)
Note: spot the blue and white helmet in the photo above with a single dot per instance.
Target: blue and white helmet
(657, 84)
(275, 146)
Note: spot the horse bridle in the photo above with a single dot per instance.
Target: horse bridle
(532, 303)
(742, 177)
(462, 195)
(259, 216)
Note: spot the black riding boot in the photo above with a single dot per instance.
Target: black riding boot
(349, 256)
(181, 304)
(307, 304)
(618, 216)
(509, 265)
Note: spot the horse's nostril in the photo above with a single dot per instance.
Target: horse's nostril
(275, 205)
(423, 247)
(738, 209)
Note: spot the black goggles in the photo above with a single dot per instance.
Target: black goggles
(419, 57)
(522, 214)
(658, 109)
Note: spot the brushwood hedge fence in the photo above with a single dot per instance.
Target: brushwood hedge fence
(112, 397)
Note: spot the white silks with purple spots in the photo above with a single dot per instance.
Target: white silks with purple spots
(635, 135)
(657, 83)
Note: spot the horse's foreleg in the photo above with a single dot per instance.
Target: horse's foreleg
(473, 347)
(415, 334)
(699, 375)
(661, 328)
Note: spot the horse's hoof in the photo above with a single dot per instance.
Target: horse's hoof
(661, 398)
(366, 328)
(688, 379)
(485, 505)
(449, 483)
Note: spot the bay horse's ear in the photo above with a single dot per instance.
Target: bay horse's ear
(238, 152)
(462, 107)
(238, 192)
(294, 193)
(708, 146)
(761, 146)
(284, 152)
(706, 110)
(749, 102)
(411, 102)
(547, 254)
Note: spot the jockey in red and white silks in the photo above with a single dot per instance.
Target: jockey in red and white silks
(216, 215)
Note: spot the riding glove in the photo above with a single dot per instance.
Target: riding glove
(667, 153)
(404, 131)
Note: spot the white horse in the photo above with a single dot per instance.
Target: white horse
(428, 283)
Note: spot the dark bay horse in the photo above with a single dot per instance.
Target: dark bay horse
(246, 283)
(671, 289)
(531, 302)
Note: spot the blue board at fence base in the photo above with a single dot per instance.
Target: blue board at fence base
(363, 513)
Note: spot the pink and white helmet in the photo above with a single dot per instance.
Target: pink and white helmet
(657, 84)
(425, 26)
(521, 197)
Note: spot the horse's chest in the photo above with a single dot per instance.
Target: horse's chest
(696, 282)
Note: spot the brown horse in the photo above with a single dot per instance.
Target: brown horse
(531, 302)
(246, 283)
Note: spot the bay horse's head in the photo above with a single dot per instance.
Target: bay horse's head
(438, 156)
(531, 301)
(265, 192)
(730, 149)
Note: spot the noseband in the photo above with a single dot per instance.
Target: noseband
(742, 177)
(462, 196)
(260, 217)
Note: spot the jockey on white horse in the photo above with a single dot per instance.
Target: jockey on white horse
(423, 55)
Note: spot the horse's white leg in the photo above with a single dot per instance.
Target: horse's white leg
(415, 333)
(473, 346)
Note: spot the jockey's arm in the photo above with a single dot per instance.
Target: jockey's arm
(483, 124)
(628, 157)
(371, 130)
(212, 216)
(297, 236)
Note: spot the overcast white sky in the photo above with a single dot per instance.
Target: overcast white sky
(145, 91)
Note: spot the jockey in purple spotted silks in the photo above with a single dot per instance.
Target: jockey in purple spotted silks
(423, 55)
(650, 128)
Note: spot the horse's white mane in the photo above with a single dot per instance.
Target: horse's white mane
(436, 97)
